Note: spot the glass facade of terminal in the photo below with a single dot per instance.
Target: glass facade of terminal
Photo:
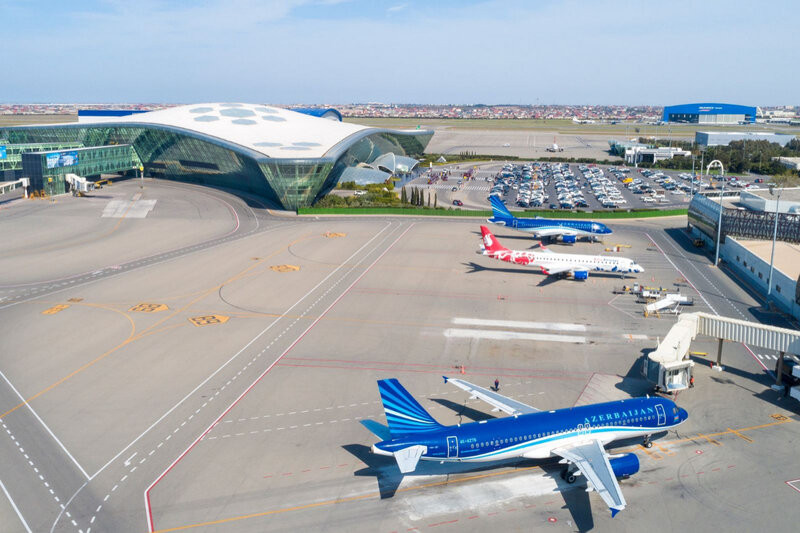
(13, 152)
(172, 153)
(47, 169)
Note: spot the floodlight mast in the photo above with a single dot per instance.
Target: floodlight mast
(716, 163)
(774, 238)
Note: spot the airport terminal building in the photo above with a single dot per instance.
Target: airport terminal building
(710, 114)
(290, 158)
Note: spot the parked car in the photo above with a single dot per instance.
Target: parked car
(458, 203)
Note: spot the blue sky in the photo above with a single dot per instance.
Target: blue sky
(402, 51)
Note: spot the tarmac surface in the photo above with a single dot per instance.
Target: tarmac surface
(205, 367)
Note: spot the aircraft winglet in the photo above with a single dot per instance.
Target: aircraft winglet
(614, 512)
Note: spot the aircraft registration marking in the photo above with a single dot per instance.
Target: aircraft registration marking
(148, 308)
(55, 309)
(209, 320)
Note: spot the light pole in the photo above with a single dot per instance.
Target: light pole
(774, 238)
(717, 163)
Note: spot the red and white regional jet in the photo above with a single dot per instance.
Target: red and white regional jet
(572, 266)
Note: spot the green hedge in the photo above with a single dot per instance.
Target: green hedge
(412, 211)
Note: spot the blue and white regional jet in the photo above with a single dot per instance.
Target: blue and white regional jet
(576, 434)
(567, 230)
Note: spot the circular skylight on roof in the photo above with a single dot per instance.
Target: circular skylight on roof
(206, 118)
(306, 144)
(201, 110)
(237, 113)
(273, 119)
(244, 121)
(265, 143)
(231, 105)
(266, 110)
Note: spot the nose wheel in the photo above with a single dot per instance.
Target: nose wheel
(647, 442)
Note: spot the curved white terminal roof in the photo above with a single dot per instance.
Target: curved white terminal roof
(272, 131)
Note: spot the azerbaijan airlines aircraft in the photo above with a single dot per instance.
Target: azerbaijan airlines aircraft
(576, 434)
(573, 266)
(568, 230)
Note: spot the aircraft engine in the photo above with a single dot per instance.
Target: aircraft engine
(568, 239)
(624, 465)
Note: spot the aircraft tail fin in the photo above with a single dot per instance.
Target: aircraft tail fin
(499, 209)
(490, 243)
(404, 414)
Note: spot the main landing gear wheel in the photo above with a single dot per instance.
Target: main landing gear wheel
(567, 476)
(647, 442)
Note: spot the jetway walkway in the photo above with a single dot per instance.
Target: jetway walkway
(8, 186)
(668, 368)
(78, 184)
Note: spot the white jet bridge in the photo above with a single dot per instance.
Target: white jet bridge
(79, 184)
(670, 370)
(8, 186)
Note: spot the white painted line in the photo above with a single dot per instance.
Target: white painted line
(234, 356)
(289, 348)
(552, 326)
(28, 405)
(128, 460)
(455, 333)
(681, 273)
(16, 509)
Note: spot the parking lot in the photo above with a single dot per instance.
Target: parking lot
(567, 186)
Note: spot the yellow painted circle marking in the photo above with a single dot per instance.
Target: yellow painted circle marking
(148, 308)
(778, 416)
(55, 309)
(331, 235)
(285, 268)
(208, 320)
(75, 300)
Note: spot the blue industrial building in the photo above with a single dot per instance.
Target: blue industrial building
(710, 114)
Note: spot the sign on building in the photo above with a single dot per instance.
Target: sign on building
(62, 159)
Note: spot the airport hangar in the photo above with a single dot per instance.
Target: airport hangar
(290, 158)
(710, 114)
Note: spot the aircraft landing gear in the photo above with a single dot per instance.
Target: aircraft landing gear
(647, 442)
(568, 476)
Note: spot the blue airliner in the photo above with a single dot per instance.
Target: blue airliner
(567, 230)
(576, 434)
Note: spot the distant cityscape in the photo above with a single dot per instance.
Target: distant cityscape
(424, 111)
